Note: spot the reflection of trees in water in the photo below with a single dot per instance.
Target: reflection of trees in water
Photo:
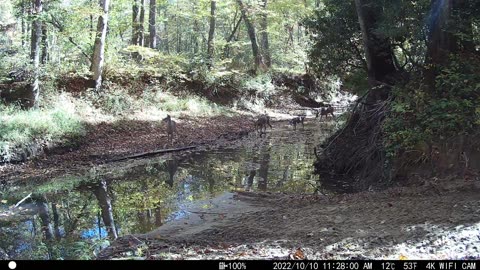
(284, 178)
(210, 173)
(158, 216)
(42, 206)
(250, 178)
(146, 196)
(45, 221)
(105, 203)
(263, 170)
(143, 202)
(56, 221)
(172, 167)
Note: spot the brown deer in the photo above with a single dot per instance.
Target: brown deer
(297, 120)
(171, 127)
(326, 111)
(261, 123)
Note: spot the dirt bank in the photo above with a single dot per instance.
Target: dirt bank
(106, 141)
(435, 221)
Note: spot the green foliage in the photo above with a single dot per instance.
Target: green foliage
(115, 101)
(336, 37)
(356, 82)
(148, 60)
(418, 116)
(6, 14)
(19, 127)
(337, 48)
(261, 84)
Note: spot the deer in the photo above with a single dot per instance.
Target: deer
(297, 120)
(171, 127)
(325, 111)
(262, 122)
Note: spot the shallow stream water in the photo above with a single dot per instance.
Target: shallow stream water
(73, 217)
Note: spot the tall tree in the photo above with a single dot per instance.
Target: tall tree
(177, 28)
(152, 25)
(44, 57)
(211, 33)
(23, 22)
(35, 49)
(196, 30)
(141, 27)
(378, 51)
(264, 35)
(99, 47)
(135, 22)
(166, 28)
(259, 63)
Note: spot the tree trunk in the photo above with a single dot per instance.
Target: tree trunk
(195, 43)
(264, 35)
(35, 49)
(24, 26)
(152, 24)
(178, 33)
(378, 52)
(44, 57)
(92, 31)
(194, 37)
(135, 22)
(211, 34)
(167, 46)
(141, 27)
(99, 48)
(259, 64)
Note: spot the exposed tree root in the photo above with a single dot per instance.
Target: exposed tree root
(355, 156)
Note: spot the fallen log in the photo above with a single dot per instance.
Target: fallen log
(169, 150)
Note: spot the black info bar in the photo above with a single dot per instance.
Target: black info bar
(249, 264)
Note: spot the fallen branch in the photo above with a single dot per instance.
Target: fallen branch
(22, 200)
(153, 153)
(206, 213)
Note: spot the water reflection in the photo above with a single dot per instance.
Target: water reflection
(99, 208)
(106, 208)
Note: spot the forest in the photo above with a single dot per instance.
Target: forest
(239, 129)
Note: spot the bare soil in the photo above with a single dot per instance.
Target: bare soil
(439, 220)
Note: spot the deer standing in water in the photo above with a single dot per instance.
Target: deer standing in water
(326, 111)
(171, 127)
(261, 123)
(297, 120)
